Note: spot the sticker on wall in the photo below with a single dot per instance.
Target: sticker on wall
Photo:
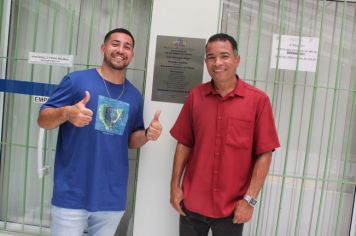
(50, 59)
(289, 54)
(40, 99)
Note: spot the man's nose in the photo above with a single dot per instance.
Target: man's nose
(120, 49)
(217, 61)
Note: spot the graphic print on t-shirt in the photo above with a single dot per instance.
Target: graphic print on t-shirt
(112, 115)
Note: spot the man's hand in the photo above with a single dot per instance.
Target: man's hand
(177, 199)
(155, 128)
(243, 212)
(78, 114)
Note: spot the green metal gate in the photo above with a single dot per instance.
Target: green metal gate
(69, 27)
(311, 186)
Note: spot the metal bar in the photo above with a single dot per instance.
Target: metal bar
(239, 23)
(5, 24)
(55, 9)
(296, 75)
(29, 118)
(143, 94)
(90, 33)
(130, 14)
(5, 11)
(71, 34)
(260, 23)
(320, 159)
(280, 11)
(1, 14)
(277, 77)
(10, 107)
(281, 14)
(353, 222)
(221, 9)
(53, 37)
(332, 122)
(301, 193)
(111, 13)
(346, 162)
(353, 217)
(311, 117)
(348, 143)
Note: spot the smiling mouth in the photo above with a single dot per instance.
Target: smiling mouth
(217, 71)
(119, 59)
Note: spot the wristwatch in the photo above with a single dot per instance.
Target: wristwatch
(250, 200)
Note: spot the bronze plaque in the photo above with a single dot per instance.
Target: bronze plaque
(179, 65)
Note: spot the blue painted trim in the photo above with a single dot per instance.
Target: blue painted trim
(25, 87)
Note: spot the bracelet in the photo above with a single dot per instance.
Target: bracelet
(146, 130)
(68, 112)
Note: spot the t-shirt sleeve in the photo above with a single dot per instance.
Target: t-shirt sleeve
(138, 122)
(265, 134)
(182, 130)
(62, 96)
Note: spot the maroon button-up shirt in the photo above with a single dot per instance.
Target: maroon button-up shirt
(225, 135)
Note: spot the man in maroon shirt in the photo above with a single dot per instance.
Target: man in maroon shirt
(226, 135)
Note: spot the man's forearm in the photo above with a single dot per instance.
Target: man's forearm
(180, 160)
(137, 139)
(50, 118)
(259, 174)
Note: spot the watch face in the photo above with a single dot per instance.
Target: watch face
(250, 200)
(253, 202)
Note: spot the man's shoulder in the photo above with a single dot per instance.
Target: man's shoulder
(130, 86)
(201, 87)
(81, 73)
(252, 90)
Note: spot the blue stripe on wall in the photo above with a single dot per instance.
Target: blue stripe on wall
(25, 87)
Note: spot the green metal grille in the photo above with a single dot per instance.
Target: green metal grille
(59, 27)
(311, 186)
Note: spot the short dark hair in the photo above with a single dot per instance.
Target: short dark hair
(223, 37)
(119, 30)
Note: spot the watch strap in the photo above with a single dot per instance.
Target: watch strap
(250, 200)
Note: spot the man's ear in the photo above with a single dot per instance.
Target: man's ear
(237, 58)
(102, 49)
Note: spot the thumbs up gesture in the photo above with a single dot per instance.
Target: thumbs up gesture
(78, 114)
(154, 130)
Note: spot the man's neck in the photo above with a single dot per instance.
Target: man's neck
(112, 75)
(225, 87)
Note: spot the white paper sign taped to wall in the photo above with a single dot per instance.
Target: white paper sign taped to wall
(288, 53)
(50, 59)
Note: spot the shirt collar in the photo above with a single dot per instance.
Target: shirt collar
(238, 91)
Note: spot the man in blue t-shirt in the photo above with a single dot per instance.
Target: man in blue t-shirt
(100, 115)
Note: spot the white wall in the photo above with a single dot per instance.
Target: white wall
(153, 214)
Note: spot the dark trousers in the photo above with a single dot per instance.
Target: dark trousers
(194, 224)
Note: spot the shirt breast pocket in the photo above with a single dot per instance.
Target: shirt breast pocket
(238, 133)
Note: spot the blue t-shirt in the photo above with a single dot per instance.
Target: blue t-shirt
(91, 165)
